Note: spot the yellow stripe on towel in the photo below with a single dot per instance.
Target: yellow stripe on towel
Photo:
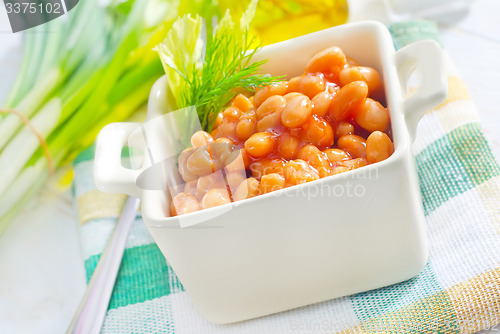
(457, 90)
(458, 108)
(477, 302)
(95, 204)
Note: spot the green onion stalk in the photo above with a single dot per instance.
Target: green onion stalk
(96, 65)
(90, 67)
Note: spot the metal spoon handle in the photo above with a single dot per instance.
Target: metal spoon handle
(91, 312)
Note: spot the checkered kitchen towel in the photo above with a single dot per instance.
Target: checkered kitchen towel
(457, 292)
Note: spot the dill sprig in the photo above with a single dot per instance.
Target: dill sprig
(208, 82)
(227, 69)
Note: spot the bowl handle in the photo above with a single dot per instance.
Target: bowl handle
(109, 174)
(427, 57)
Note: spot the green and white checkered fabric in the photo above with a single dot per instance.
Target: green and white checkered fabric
(457, 292)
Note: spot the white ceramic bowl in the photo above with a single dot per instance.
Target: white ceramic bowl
(311, 242)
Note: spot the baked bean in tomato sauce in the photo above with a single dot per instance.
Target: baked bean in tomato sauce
(324, 122)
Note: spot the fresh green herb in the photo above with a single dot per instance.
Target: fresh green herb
(210, 81)
(79, 72)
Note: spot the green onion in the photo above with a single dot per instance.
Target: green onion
(78, 73)
(96, 65)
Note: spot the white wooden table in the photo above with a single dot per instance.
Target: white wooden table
(41, 269)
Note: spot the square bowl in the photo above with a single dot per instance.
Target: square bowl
(343, 234)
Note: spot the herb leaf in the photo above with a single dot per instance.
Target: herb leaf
(226, 67)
